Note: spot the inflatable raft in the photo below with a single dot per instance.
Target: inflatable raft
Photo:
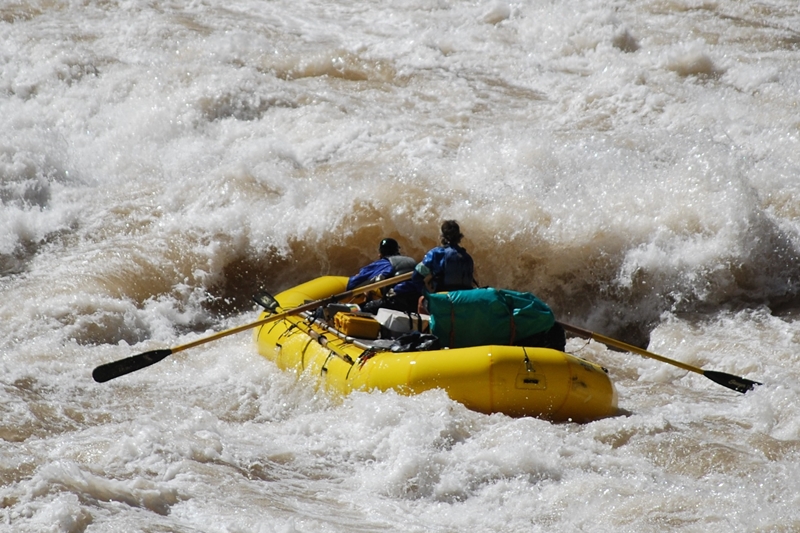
(514, 380)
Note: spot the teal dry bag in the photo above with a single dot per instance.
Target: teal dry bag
(477, 317)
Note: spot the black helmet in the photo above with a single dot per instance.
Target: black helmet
(389, 247)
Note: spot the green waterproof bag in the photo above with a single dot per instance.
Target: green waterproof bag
(478, 317)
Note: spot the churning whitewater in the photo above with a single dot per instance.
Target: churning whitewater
(635, 164)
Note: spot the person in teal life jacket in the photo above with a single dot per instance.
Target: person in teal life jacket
(447, 267)
(402, 297)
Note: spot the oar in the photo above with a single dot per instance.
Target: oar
(119, 368)
(736, 383)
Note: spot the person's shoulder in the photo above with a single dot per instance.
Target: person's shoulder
(433, 252)
(402, 263)
(383, 261)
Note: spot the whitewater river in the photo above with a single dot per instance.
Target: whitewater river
(635, 163)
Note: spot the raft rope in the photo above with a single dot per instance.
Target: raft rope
(528, 365)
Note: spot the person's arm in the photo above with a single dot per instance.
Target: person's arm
(426, 278)
(423, 270)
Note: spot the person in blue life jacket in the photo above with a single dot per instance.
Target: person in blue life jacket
(402, 297)
(450, 268)
(447, 267)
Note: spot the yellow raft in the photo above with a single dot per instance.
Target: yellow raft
(514, 380)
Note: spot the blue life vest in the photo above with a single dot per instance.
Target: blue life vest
(451, 266)
(458, 269)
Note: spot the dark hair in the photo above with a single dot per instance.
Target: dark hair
(388, 248)
(451, 233)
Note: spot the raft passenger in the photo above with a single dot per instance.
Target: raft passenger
(447, 267)
(402, 297)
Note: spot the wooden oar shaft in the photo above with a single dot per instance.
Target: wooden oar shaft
(296, 311)
(737, 383)
(608, 341)
(232, 331)
(121, 367)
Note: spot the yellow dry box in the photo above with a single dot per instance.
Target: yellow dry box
(361, 325)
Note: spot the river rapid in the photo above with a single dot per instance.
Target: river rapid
(636, 164)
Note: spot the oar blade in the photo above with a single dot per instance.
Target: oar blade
(115, 369)
(737, 383)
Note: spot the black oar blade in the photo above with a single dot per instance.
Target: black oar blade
(119, 368)
(739, 384)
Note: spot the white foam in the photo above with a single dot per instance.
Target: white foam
(156, 161)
